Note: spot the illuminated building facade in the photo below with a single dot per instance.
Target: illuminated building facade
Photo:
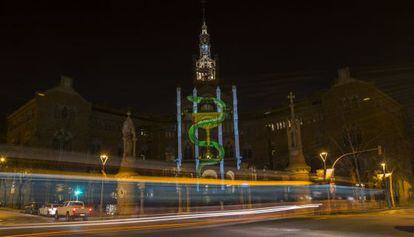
(206, 84)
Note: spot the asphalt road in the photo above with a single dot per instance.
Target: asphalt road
(385, 223)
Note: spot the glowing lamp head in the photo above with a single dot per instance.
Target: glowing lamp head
(2, 159)
(323, 155)
(104, 158)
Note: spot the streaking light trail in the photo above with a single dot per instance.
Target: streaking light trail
(254, 211)
(161, 180)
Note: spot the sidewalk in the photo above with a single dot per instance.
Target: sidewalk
(11, 216)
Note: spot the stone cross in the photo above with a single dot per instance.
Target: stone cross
(291, 96)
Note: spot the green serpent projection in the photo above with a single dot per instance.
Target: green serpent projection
(207, 121)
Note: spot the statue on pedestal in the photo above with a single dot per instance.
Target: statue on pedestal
(127, 203)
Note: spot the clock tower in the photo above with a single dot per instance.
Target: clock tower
(205, 65)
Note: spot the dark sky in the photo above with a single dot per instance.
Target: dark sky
(135, 53)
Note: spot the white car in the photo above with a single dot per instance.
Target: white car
(48, 209)
(72, 210)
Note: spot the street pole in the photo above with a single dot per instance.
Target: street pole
(3, 180)
(104, 158)
(102, 188)
(384, 183)
(392, 192)
(323, 156)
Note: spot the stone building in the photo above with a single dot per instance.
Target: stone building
(61, 119)
(351, 116)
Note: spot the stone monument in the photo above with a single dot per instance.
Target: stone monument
(297, 165)
(127, 191)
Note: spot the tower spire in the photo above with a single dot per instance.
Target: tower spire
(204, 36)
(205, 64)
(203, 7)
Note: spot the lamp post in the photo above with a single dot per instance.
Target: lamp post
(388, 189)
(384, 184)
(3, 161)
(104, 158)
(323, 156)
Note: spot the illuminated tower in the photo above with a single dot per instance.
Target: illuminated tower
(205, 65)
(206, 84)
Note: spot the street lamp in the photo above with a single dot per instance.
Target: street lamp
(104, 158)
(383, 167)
(384, 184)
(3, 161)
(323, 156)
(388, 188)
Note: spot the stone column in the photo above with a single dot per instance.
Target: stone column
(179, 139)
(220, 138)
(297, 164)
(236, 128)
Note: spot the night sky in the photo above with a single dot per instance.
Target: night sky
(135, 55)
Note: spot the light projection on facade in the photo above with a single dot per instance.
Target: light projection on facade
(207, 121)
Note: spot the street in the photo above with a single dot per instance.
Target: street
(399, 222)
(13, 216)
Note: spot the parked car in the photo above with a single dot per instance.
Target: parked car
(48, 209)
(72, 210)
(32, 208)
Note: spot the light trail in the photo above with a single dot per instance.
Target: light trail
(118, 229)
(154, 179)
(153, 219)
